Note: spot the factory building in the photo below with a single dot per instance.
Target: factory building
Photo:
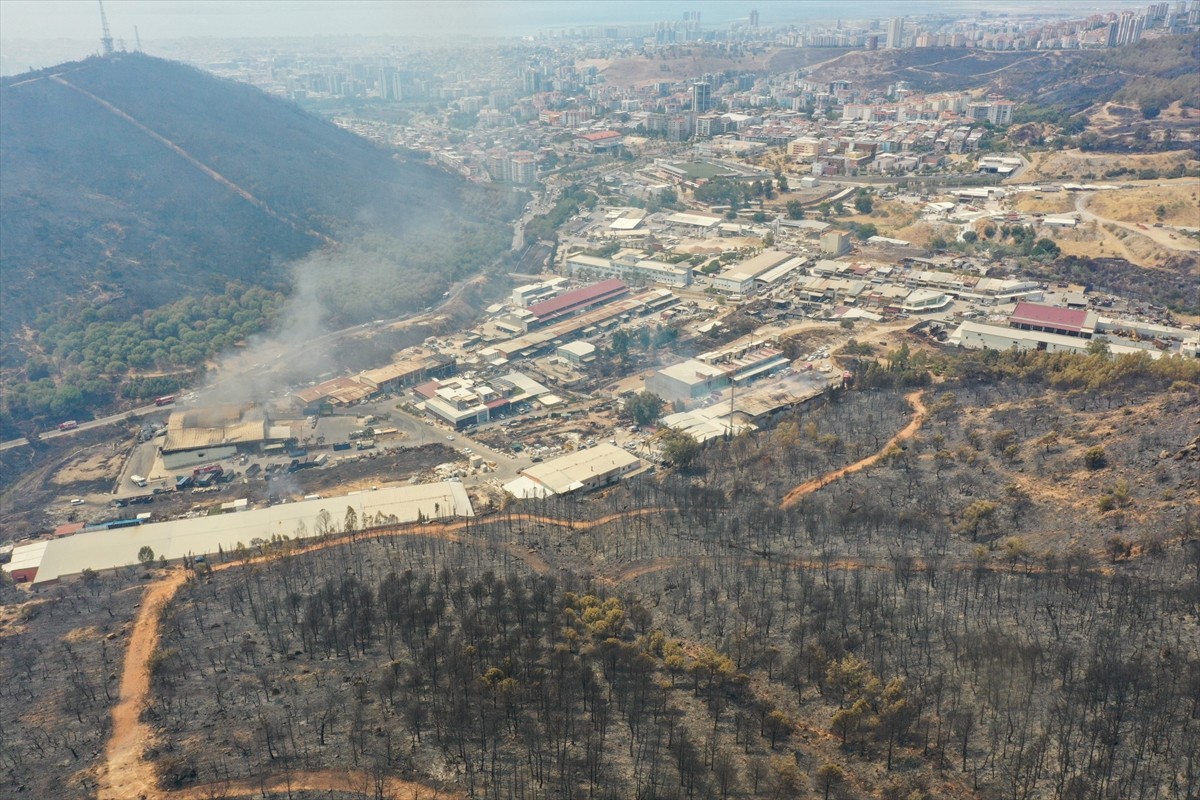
(583, 470)
(687, 381)
(1053, 319)
(51, 560)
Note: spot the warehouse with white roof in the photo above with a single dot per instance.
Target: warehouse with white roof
(589, 468)
(50, 560)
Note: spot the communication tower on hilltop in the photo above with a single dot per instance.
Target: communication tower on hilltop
(106, 39)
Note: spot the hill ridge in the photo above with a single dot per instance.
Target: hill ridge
(207, 170)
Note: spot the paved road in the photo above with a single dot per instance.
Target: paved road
(124, 416)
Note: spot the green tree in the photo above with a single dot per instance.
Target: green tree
(679, 448)
(863, 203)
(1095, 458)
(146, 555)
(643, 408)
(795, 209)
(620, 342)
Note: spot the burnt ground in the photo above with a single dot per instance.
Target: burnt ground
(30, 482)
(61, 653)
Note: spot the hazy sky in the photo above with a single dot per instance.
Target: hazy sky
(71, 28)
(170, 19)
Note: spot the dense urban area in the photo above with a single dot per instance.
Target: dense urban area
(664, 410)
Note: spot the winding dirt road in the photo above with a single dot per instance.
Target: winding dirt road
(808, 487)
(128, 774)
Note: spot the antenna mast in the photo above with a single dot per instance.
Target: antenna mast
(138, 37)
(106, 39)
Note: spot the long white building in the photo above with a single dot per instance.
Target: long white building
(47, 561)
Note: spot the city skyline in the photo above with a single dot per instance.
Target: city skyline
(29, 20)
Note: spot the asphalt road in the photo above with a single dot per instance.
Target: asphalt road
(124, 416)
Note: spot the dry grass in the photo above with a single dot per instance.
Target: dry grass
(1097, 240)
(922, 233)
(1179, 199)
(1074, 165)
(1050, 203)
(92, 465)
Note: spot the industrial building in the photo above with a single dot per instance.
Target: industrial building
(345, 391)
(687, 381)
(629, 266)
(578, 353)
(531, 293)
(835, 243)
(51, 560)
(575, 301)
(743, 278)
(1053, 319)
(560, 306)
(706, 424)
(585, 324)
(981, 336)
(200, 436)
(415, 367)
(463, 402)
(582, 470)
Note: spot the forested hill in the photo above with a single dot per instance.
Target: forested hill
(131, 181)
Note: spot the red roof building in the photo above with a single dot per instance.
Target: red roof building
(577, 300)
(597, 141)
(1053, 319)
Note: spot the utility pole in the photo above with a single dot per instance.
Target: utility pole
(106, 39)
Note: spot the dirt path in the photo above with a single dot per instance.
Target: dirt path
(1160, 236)
(909, 430)
(127, 773)
(317, 781)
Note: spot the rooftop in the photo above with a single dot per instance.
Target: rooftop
(1050, 316)
(109, 549)
(577, 298)
(571, 471)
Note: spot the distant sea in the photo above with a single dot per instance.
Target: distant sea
(42, 34)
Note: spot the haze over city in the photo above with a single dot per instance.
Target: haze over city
(36, 33)
(546, 400)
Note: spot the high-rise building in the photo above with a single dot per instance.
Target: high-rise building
(701, 97)
(523, 167)
(679, 128)
(532, 80)
(1157, 11)
(895, 32)
(754, 18)
(1129, 28)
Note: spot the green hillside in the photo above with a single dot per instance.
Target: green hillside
(132, 183)
(95, 206)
